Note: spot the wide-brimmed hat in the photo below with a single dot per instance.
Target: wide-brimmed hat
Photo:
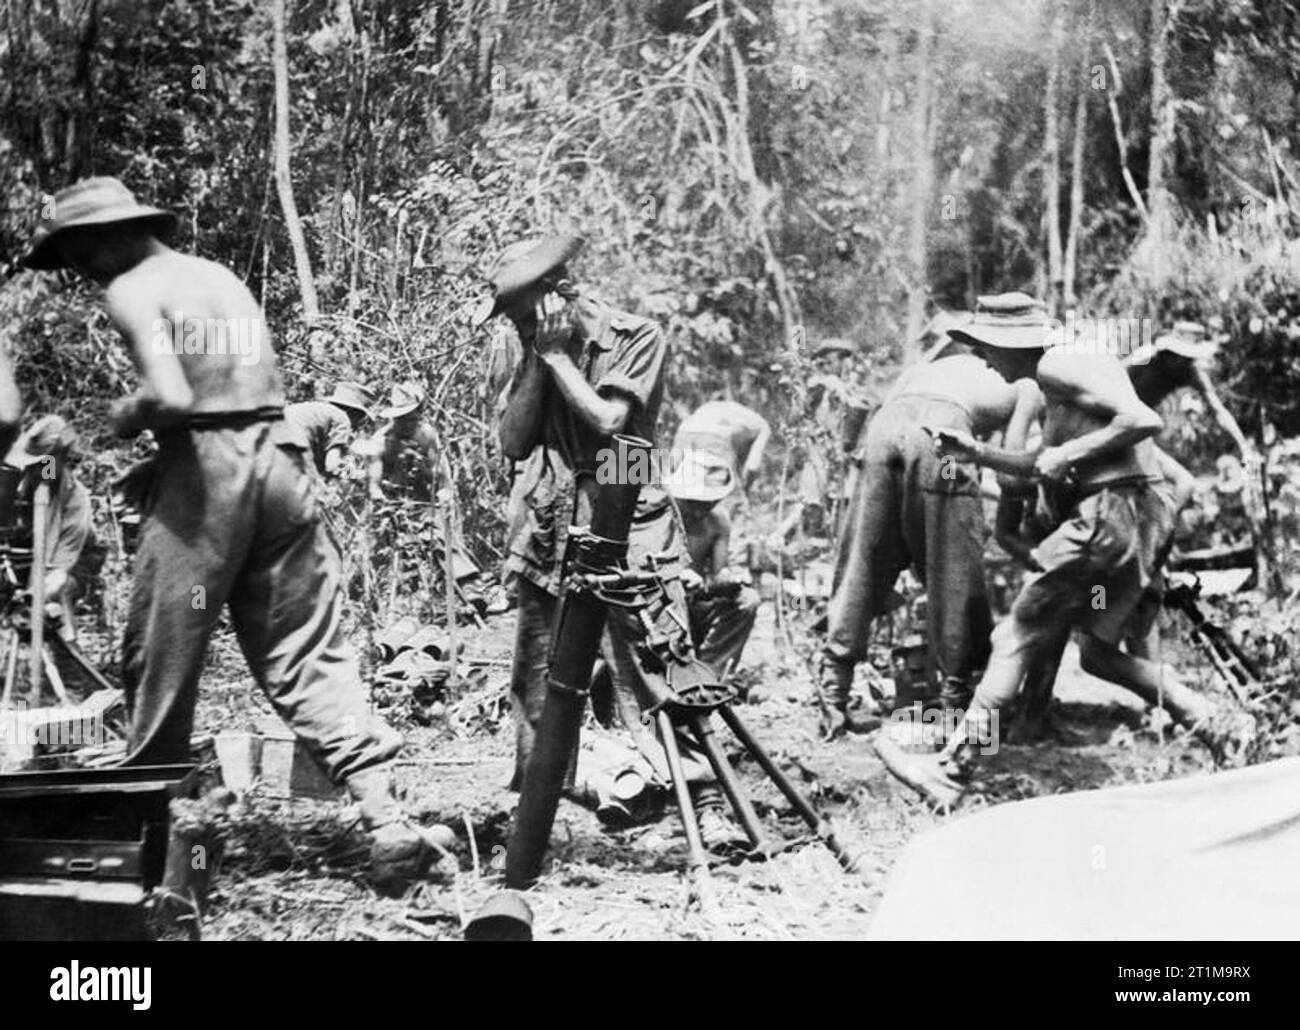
(402, 400)
(98, 201)
(49, 436)
(352, 396)
(700, 475)
(523, 264)
(1189, 340)
(1012, 321)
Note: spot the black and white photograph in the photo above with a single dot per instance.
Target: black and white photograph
(651, 470)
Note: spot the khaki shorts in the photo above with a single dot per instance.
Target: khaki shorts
(1099, 562)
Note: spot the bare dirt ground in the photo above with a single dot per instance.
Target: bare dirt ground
(296, 869)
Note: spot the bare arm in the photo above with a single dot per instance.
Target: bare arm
(1013, 460)
(1015, 465)
(164, 396)
(1026, 413)
(1028, 409)
(1109, 398)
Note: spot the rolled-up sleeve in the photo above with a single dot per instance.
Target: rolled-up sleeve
(637, 366)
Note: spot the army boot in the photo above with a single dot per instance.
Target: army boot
(400, 850)
(841, 712)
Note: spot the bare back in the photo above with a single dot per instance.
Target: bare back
(965, 380)
(203, 314)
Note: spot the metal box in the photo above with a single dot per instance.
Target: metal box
(80, 849)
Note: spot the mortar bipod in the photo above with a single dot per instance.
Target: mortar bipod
(689, 694)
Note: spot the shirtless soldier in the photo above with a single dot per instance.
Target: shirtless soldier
(1176, 360)
(230, 516)
(1100, 479)
(911, 508)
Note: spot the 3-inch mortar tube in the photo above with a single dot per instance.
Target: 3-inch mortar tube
(574, 646)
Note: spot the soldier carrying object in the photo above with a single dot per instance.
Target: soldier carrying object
(1100, 480)
(230, 517)
(911, 508)
(1176, 360)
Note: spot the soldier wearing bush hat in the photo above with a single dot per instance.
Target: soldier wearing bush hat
(912, 509)
(1012, 321)
(1102, 486)
(1179, 358)
(256, 544)
(330, 424)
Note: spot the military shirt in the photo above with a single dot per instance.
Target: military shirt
(325, 425)
(619, 354)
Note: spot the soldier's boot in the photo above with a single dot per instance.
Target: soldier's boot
(841, 712)
(400, 850)
(834, 687)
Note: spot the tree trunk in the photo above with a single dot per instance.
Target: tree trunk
(283, 182)
(1162, 130)
(1121, 145)
(1052, 163)
(1070, 272)
(758, 192)
(81, 122)
(924, 173)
